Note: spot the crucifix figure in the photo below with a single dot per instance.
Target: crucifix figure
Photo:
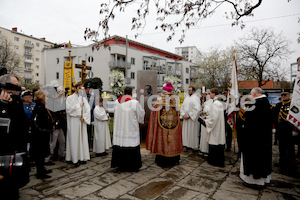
(83, 67)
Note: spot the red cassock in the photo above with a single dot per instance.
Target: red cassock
(164, 136)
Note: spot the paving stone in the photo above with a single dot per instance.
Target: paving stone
(93, 197)
(210, 173)
(109, 178)
(200, 184)
(180, 193)
(29, 197)
(80, 191)
(285, 184)
(152, 189)
(103, 167)
(145, 175)
(202, 196)
(236, 186)
(117, 189)
(54, 198)
(71, 169)
(268, 194)
(231, 195)
(29, 191)
(128, 197)
(99, 160)
(52, 186)
(177, 173)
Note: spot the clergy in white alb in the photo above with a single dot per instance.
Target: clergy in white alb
(215, 124)
(102, 140)
(78, 116)
(128, 113)
(203, 136)
(190, 111)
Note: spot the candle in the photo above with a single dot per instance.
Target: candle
(203, 89)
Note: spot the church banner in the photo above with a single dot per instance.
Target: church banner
(69, 77)
(294, 114)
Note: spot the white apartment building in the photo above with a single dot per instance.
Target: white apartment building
(30, 51)
(190, 53)
(103, 61)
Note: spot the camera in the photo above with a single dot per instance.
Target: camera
(15, 166)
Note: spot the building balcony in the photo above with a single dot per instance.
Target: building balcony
(28, 61)
(119, 64)
(28, 45)
(28, 76)
(28, 54)
(28, 70)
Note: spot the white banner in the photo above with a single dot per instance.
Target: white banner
(294, 114)
(233, 92)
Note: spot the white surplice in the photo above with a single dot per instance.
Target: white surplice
(102, 140)
(77, 147)
(127, 117)
(215, 123)
(203, 136)
(190, 129)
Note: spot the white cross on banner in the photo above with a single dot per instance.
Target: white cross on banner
(294, 114)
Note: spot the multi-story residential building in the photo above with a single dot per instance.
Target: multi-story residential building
(129, 57)
(190, 53)
(29, 49)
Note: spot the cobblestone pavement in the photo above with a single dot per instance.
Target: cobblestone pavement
(193, 179)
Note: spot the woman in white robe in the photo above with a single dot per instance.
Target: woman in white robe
(102, 140)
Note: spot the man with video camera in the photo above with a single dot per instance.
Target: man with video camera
(14, 168)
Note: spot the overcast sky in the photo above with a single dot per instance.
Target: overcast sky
(63, 20)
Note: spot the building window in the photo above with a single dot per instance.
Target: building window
(37, 81)
(46, 46)
(27, 50)
(57, 75)
(37, 67)
(28, 57)
(57, 60)
(133, 61)
(187, 70)
(80, 74)
(187, 81)
(27, 81)
(27, 66)
(16, 39)
(132, 74)
(37, 51)
(16, 47)
(37, 74)
(37, 44)
(27, 42)
(37, 59)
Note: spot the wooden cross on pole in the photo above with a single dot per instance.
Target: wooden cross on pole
(83, 67)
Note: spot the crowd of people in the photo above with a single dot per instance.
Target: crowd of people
(199, 125)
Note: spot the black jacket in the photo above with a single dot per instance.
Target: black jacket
(257, 139)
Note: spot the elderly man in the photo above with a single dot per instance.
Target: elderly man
(256, 141)
(190, 111)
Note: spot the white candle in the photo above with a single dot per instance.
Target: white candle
(104, 94)
(203, 89)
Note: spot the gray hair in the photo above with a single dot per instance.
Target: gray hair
(258, 90)
(6, 78)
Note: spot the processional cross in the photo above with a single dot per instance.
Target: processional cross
(83, 68)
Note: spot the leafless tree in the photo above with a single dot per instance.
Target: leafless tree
(8, 57)
(172, 15)
(261, 52)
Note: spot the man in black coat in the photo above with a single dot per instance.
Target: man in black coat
(12, 137)
(256, 141)
(286, 140)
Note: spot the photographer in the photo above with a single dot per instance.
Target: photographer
(12, 138)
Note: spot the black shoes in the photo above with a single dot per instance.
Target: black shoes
(101, 154)
(253, 186)
(42, 176)
(49, 163)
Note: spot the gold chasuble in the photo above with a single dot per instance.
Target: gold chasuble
(164, 136)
